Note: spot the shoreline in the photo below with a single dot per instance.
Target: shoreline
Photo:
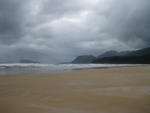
(121, 89)
(47, 70)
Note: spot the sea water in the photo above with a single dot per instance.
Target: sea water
(20, 68)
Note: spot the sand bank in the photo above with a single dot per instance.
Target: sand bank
(110, 90)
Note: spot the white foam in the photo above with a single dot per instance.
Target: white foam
(20, 68)
(21, 65)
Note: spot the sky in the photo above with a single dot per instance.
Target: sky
(53, 31)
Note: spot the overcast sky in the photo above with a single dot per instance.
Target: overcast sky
(53, 31)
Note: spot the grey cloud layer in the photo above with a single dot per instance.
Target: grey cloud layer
(56, 30)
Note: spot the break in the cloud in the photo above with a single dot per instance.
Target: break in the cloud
(59, 30)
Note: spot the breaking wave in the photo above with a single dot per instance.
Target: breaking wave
(19, 68)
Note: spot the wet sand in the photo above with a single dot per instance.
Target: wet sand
(110, 90)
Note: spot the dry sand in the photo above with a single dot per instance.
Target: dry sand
(111, 90)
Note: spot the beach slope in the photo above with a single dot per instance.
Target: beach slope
(109, 90)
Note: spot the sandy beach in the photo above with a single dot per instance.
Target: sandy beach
(109, 90)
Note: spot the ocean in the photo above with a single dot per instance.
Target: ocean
(20, 68)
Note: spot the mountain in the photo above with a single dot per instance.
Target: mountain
(28, 61)
(83, 59)
(116, 57)
(108, 54)
(141, 56)
(124, 60)
(113, 53)
(122, 53)
(141, 52)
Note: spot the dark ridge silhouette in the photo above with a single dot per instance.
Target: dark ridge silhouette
(83, 59)
(113, 53)
(141, 52)
(116, 57)
(108, 54)
(124, 60)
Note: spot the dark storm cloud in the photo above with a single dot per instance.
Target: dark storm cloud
(135, 30)
(10, 20)
(60, 30)
(128, 21)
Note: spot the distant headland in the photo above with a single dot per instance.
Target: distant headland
(28, 61)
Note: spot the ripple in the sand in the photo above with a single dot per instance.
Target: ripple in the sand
(36, 96)
(27, 93)
(128, 92)
(14, 93)
(46, 98)
(60, 110)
